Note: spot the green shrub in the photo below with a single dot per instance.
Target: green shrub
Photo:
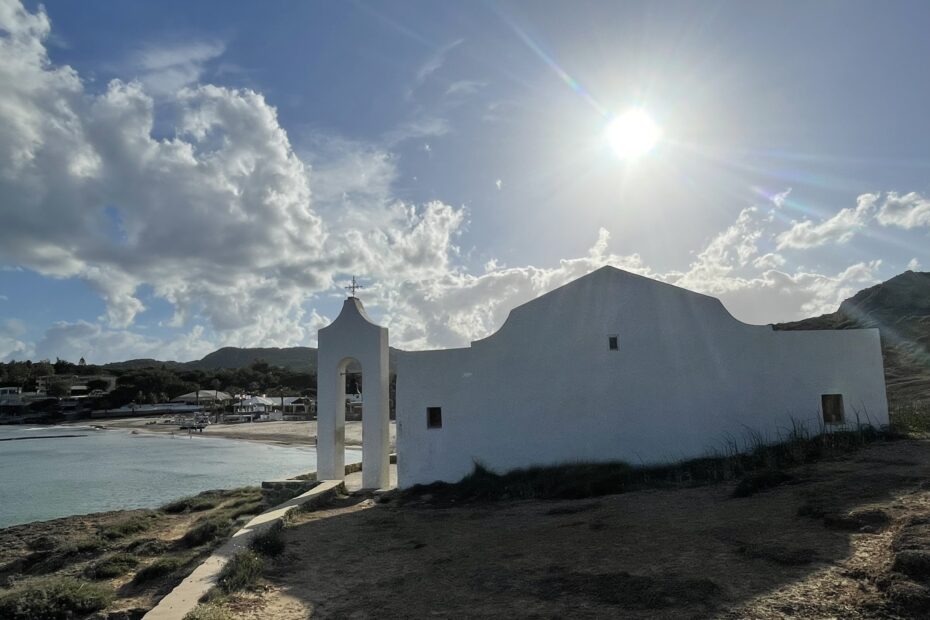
(242, 571)
(80, 546)
(159, 568)
(197, 503)
(112, 566)
(206, 531)
(270, 542)
(147, 546)
(132, 525)
(53, 599)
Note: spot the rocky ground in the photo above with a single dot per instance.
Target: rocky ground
(848, 538)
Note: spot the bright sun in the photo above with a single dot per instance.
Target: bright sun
(632, 134)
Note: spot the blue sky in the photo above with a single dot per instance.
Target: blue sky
(180, 176)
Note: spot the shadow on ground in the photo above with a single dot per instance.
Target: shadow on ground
(845, 539)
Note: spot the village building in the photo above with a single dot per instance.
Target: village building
(610, 367)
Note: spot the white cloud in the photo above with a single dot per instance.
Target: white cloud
(839, 229)
(436, 61)
(769, 261)
(225, 221)
(167, 68)
(908, 211)
(779, 199)
(11, 346)
(98, 344)
(913, 264)
(462, 88)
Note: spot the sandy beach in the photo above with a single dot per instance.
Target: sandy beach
(282, 433)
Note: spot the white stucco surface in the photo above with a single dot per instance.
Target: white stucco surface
(353, 336)
(546, 389)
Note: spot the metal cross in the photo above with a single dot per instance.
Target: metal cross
(353, 287)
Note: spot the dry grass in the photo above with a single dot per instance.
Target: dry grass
(134, 556)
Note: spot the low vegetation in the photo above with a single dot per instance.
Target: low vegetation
(47, 571)
(208, 611)
(270, 542)
(911, 418)
(54, 598)
(241, 572)
(159, 568)
(112, 566)
(132, 525)
(206, 531)
(759, 465)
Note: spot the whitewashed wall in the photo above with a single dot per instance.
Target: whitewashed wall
(545, 389)
(353, 336)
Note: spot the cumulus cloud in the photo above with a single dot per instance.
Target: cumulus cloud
(11, 347)
(218, 218)
(908, 211)
(98, 344)
(226, 221)
(839, 229)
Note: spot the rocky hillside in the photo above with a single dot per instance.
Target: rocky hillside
(900, 309)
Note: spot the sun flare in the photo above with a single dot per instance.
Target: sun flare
(632, 134)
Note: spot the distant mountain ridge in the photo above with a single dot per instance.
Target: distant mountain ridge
(900, 309)
(298, 359)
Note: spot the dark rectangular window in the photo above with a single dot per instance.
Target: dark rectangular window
(613, 343)
(434, 417)
(832, 405)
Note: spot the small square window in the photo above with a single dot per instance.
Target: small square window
(613, 342)
(832, 405)
(434, 417)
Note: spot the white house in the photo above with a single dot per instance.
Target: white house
(612, 366)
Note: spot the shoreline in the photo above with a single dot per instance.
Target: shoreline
(294, 434)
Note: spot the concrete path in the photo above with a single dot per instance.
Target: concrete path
(188, 593)
(354, 480)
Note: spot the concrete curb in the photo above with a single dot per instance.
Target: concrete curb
(180, 601)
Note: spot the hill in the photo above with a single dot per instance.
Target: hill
(293, 358)
(900, 309)
(298, 359)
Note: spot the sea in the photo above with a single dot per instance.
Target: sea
(100, 470)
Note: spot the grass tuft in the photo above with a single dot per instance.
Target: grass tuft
(159, 568)
(112, 566)
(53, 599)
(132, 525)
(207, 611)
(196, 503)
(242, 571)
(760, 461)
(270, 542)
(206, 531)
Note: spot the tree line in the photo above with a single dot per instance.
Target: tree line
(160, 383)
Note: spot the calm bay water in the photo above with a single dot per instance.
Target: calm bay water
(114, 470)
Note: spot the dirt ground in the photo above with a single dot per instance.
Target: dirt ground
(287, 433)
(849, 539)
